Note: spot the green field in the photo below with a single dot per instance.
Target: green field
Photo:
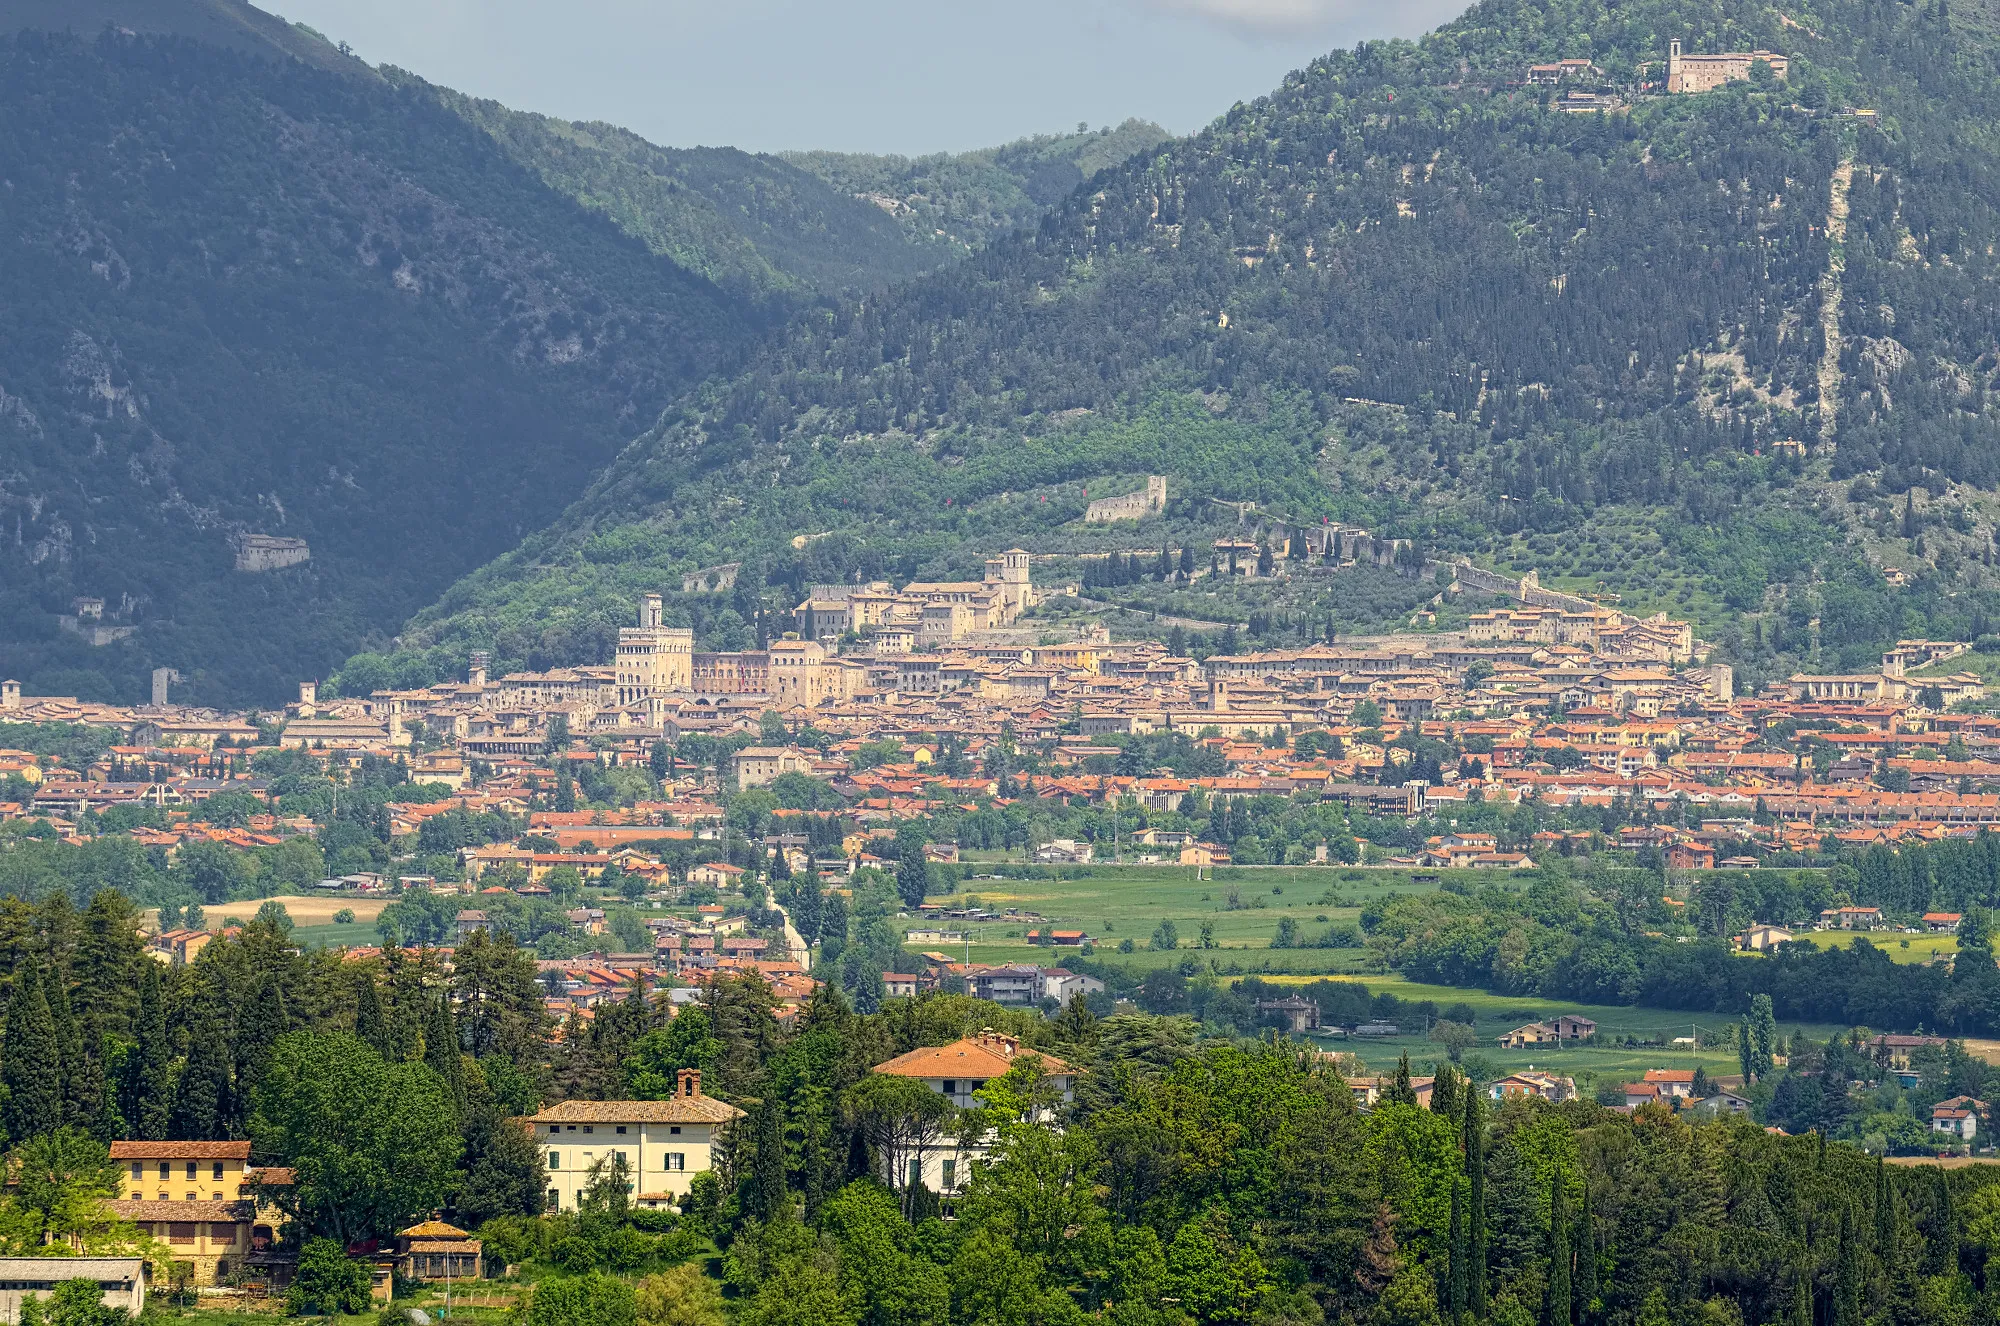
(1589, 1064)
(1900, 948)
(1112, 903)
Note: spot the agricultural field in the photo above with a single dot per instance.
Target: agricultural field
(312, 916)
(1916, 949)
(1244, 904)
(1590, 1065)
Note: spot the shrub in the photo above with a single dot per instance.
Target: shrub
(595, 1299)
(327, 1282)
(680, 1297)
(576, 1254)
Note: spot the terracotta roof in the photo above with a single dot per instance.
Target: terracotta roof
(180, 1151)
(680, 1109)
(274, 1176)
(199, 1210)
(977, 1057)
(467, 1247)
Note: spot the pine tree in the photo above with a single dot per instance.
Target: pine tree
(203, 1098)
(1556, 1309)
(145, 1094)
(1475, 1205)
(30, 1064)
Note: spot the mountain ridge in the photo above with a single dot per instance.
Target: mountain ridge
(1580, 323)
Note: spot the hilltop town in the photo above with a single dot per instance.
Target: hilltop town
(890, 711)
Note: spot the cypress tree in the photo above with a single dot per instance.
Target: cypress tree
(202, 1097)
(1457, 1284)
(1402, 1091)
(145, 1094)
(30, 1064)
(1802, 1297)
(767, 1187)
(1847, 1276)
(1885, 1216)
(1585, 1242)
(1944, 1238)
(264, 1019)
(369, 1023)
(441, 1048)
(1444, 1092)
(1475, 1205)
(1556, 1311)
(82, 1088)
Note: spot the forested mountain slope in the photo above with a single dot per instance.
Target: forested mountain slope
(755, 225)
(967, 200)
(785, 228)
(1409, 290)
(229, 24)
(248, 296)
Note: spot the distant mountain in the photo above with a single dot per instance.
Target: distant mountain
(1728, 354)
(795, 225)
(243, 294)
(755, 225)
(970, 199)
(252, 289)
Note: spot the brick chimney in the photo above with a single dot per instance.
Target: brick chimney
(690, 1083)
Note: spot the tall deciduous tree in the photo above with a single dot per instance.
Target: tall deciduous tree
(371, 1144)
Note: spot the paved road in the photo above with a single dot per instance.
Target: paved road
(794, 941)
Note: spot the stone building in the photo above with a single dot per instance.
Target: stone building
(653, 658)
(269, 552)
(1132, 506)
(1705, 73)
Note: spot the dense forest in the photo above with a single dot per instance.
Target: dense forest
(1538, 319)
(968, 200)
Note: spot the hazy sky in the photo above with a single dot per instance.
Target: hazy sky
(862, 75)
